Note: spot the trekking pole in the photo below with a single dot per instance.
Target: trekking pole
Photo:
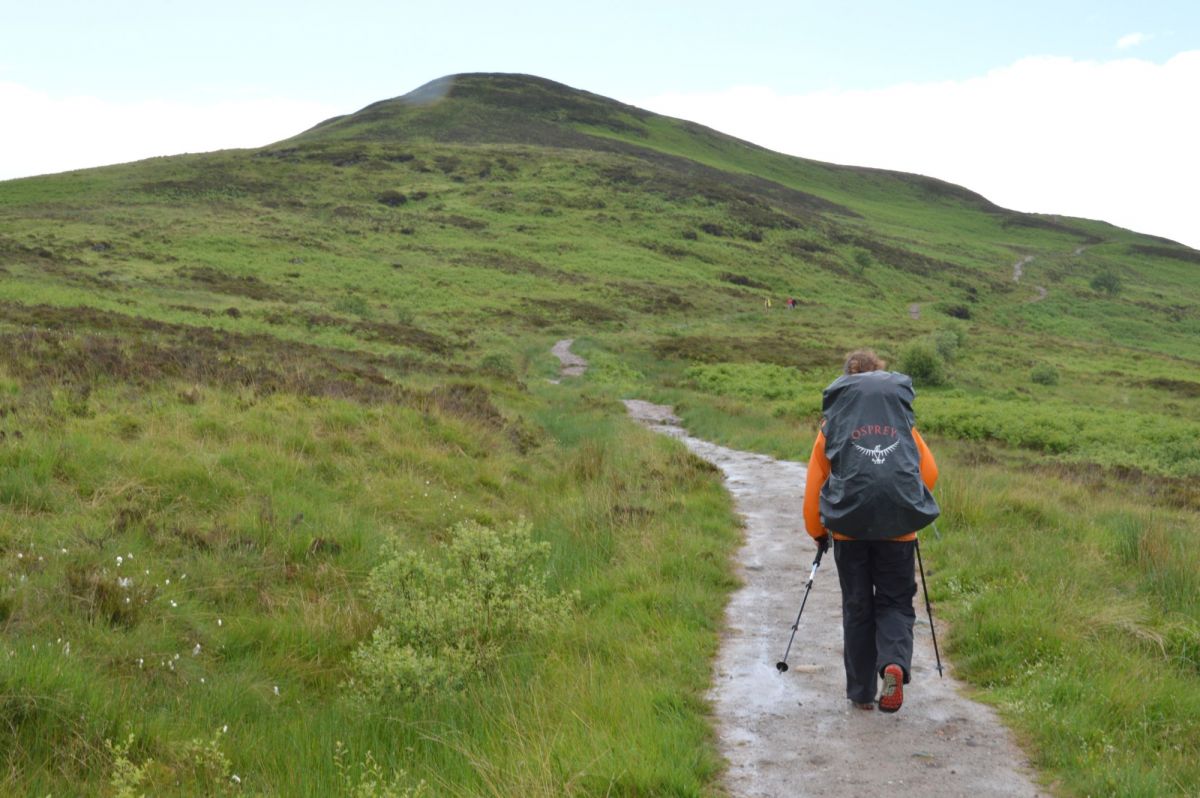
(928, 609)
(782, 665)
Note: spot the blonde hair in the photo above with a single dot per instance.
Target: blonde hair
(862, 360)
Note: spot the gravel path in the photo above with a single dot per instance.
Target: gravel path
(795, 734)
(1019, 267)
(572, 365)
(1019, 270)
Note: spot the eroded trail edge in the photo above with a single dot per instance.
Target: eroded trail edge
(795, 734)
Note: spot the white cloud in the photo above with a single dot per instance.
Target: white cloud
(1112, 140)
(1132, 40)
(43, 134)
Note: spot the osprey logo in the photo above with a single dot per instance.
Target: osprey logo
(879, 454)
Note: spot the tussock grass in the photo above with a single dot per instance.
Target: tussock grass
(253, 368)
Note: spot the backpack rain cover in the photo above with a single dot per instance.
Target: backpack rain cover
(874, 490)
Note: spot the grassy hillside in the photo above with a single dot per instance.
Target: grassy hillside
(239, 390)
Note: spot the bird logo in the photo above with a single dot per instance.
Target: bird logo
(879, 454)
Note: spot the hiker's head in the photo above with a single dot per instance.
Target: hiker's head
(863, 360)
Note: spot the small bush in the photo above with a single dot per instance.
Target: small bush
(1106, 282)
(862, 261)
(392, 199)
(367, 779)
(1044, 375)
(946, 342)
(352, 306)
(921, 361)
(741, 279)
(446, 618)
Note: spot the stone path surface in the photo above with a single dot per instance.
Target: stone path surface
(794, 734)
(1019, 271)
(571, 364)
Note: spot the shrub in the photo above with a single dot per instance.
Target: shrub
(946, 342)
(367, 779)
(392, 199)
(862, 261)
(352, 306)
(1044, 375)
(446, 618)
(1107, 282)
(921, 361)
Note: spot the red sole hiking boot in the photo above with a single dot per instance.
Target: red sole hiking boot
(893, 689)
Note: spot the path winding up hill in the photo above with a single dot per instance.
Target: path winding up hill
(795, 734)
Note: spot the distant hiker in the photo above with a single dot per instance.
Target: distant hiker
(869, 481)
(767, 303)
(791, 303)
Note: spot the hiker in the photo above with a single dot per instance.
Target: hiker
(868, 487)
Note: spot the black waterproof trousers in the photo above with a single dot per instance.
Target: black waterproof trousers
(878, 585)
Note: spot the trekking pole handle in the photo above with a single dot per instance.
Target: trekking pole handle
(813, 574)
(815, 565)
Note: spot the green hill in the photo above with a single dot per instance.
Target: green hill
(258, 377)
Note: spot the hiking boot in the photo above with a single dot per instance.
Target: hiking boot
(893, 688)
(865, 707)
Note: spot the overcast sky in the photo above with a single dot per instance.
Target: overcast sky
(1078, 108)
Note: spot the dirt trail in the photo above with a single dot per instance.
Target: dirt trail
(795, 734)
(1019, 271)
(572, 365)
(1019, 267)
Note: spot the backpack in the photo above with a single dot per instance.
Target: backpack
(874, 490)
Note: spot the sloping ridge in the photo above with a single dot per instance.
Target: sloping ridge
(513, 108)
(503, 108)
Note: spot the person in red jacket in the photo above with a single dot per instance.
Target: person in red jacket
(875, 568)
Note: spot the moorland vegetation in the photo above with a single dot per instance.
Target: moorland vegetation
(256, 405)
